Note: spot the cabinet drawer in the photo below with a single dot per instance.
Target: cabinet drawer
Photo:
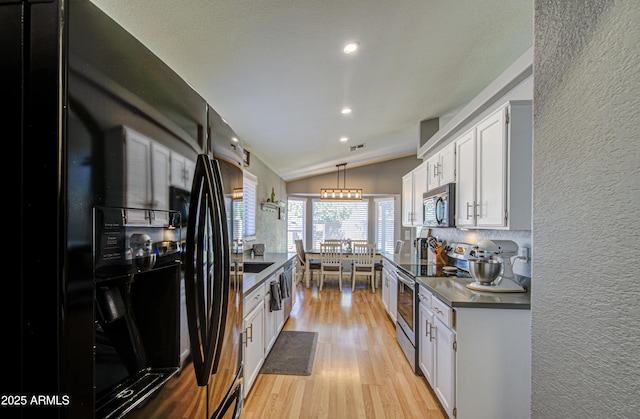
(425, 296)
(254, 297)
(442, 311)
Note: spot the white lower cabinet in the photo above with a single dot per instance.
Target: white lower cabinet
(476, 360)
(437, 348)
(254, 322)
(273, 320)
(390, 289)
(262, 327)
(445, 365)
(426, 343)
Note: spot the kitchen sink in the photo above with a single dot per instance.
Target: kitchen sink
(255, 267)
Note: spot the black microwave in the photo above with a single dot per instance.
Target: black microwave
(439, 206)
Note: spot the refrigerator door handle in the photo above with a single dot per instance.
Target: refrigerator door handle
(204, 262)
(225, 265)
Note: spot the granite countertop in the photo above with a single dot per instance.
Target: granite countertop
(454, 292)
(252, 280)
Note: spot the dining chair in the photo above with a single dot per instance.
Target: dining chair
(354, 242)
(333, 241)
(363, 264)
(302, 262)
(330, 262)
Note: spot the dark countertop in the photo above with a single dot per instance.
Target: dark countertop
(454, 292)
(252, 280)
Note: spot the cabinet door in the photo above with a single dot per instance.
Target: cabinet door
(426, 358)
(491, 174)
(385, 289)
(254, 345)
(419, 188)
(447, 170)
(445, 368)
(181, 171)
(465, 187)
(407, 200)
(433, 167)
(137, 176)
(160, 173)
(270, 324)
(393, 298)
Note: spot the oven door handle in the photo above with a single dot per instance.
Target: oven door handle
(406, 281)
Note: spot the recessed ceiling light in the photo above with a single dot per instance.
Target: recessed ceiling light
(345, 111)
(234, 139)
(344, 139)
(351, 47)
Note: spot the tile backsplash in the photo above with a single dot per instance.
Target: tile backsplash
(521, 237)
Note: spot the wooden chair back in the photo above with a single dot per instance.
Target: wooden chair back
(363, 264)
(330, 256)
(363, 257)
(300, 252)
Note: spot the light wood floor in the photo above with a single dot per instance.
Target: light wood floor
(359, 370)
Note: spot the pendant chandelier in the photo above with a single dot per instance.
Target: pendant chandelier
(341, 194)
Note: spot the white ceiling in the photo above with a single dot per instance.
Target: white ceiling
(275, 70)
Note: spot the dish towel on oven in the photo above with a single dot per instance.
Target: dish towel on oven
(276, 296)
(284, 286)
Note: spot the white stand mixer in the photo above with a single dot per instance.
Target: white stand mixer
(503, 250)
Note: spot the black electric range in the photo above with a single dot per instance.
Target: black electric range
(457, 256)
(434, 270)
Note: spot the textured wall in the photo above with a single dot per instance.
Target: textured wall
(586, 192)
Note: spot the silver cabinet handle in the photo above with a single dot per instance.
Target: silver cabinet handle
(431, 336)
(249, 337)
(474, 206)
(426, 328)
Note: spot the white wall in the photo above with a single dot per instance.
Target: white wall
(586, 194)
(270, 230)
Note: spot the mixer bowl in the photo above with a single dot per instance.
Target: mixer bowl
(145, 262)
(485, 271)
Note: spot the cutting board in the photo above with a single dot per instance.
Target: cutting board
(505, 285)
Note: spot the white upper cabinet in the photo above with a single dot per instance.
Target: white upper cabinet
(442, 167)
(181, 171)
(414, 184)
(493, 170)
(144, 176)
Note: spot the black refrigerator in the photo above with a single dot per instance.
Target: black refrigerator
(126, 302)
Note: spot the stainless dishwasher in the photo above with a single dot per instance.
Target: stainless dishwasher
(286, 302)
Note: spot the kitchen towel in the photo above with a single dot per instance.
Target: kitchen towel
(284, 286)
(276, 297)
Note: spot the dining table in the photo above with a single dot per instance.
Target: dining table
(314, 254)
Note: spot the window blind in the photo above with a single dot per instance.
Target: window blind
(249, 186)
(339, 220)
(385, 214)
(296, 211)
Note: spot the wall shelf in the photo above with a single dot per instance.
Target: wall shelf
(270, 206)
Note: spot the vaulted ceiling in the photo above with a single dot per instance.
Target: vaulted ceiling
(275, 70)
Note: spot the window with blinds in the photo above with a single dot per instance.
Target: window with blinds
(339, 220)
(385, 213)
(249, 186)
(296, 211)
